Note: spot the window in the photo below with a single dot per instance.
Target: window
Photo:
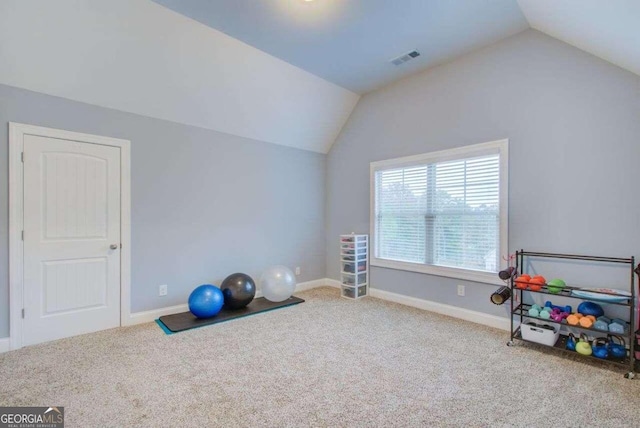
(443, 213)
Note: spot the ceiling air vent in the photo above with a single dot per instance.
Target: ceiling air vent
(405, 57)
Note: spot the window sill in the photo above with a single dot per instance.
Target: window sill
(468, 275)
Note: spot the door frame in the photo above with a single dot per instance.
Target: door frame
(17, 131)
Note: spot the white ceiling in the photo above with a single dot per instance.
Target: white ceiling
(279, 73)
(139, 57)
(350, 42)
(609, 29)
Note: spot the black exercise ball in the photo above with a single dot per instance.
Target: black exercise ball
(238, 290)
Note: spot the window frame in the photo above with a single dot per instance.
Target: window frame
(500, 147)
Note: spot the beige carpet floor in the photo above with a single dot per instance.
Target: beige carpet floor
(328, 362)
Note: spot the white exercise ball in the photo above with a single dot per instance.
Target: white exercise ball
(278, 283)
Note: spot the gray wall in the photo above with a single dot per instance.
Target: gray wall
(573, 122)
(204, 204)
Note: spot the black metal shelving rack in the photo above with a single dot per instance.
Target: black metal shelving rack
(521, 309)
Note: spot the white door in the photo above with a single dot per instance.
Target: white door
(71, 238)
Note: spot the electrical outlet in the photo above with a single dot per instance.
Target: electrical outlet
(297, 270)
(460, 290)
(162, 290)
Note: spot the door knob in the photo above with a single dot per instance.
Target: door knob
(113, 246)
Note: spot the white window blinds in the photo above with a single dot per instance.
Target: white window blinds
(443, 213)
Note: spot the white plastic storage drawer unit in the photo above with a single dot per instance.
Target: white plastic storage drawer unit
(354, 266)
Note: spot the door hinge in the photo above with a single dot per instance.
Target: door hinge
(22, 157)
(22, 312)
(22, 235)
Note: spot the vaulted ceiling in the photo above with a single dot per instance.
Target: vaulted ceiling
(282, 71)
(608, 29)
(350, 42)
(139, 57)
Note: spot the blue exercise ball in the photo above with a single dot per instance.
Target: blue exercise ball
(206, 301)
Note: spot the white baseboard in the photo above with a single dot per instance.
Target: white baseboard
(441, 308)
(154, 314)
(427, 305)
(304, 286)
(328, 282)
(5, 344)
